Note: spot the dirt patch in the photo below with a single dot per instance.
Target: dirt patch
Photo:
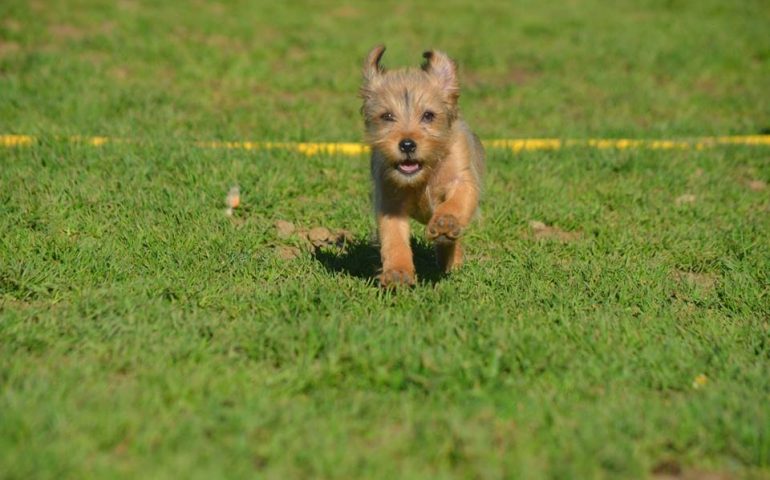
(8, 302)
(346, 11)
(707, 86)
(521, 76)
(284, 229)
(128, 5)
(122, 448)
(748, 177)
(107, 28)
(667, 469)
(288, 253)
(8, 48)
(756, 185)
(119, 73)
(672, 470)
(296, 54)
(318, 236)
(37, 6)
(685, 199)
(12, 25)
(66, 32)
(698, 173)
(705, 281)
(225, 44)
(310, 239)
(541, 231)
(323, 237)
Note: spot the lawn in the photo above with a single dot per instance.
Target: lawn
(612, 320)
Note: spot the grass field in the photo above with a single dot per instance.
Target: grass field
(612, 320)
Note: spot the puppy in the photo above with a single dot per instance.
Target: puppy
(426, 163)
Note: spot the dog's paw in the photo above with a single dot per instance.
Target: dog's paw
(444, 228)
(395, 278)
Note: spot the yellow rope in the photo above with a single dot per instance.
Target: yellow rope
(515, 145)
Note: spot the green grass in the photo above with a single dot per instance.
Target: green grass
(144, 334)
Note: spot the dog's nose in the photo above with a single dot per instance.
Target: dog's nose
(407, 145)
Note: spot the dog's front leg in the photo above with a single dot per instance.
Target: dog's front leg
(397, 264)
(450, 219)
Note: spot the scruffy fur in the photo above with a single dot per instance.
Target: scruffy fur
(426, 163)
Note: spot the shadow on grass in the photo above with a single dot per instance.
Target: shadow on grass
(361, 259)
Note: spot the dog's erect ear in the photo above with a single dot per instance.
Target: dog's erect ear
(445, 70)
(372, 66)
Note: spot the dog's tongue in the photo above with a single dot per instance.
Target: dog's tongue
(408, 166)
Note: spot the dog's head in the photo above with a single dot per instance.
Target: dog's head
(409, 113)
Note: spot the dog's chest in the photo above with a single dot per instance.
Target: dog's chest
(423, 206)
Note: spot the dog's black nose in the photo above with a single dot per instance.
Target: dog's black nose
(407, 145)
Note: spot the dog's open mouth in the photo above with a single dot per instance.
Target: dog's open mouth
(409, 167)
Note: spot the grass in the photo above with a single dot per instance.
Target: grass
(145, 334)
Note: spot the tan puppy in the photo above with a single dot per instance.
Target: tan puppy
(426, 163)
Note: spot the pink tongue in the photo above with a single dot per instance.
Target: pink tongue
(408, 167)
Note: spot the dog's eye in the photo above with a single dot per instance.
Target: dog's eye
(388, 117)
(428, 116)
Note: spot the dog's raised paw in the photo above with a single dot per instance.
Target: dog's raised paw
(444, 228)
(395, 278)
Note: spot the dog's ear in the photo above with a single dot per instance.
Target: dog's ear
(444, 69)
(372, 67)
